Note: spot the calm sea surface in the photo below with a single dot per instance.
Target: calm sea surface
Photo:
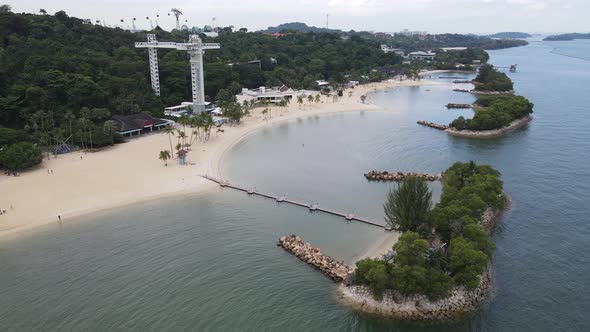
(209, 261)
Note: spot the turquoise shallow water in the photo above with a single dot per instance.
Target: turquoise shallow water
(209, 262)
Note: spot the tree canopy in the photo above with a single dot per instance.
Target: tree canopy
(495, 112)
(490, 79)
(419, 265)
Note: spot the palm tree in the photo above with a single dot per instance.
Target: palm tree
(300, 100)
(282, 104)
(264, 113)
(164, 156)
(170, 131)
(408, 206)
(69, 116)
(85, 125)
(310, 99)
(317, 98)
(109, 127)
(182, 137)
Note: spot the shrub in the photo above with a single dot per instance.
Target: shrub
(20, 156)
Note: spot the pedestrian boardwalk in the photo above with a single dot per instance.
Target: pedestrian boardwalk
(283, 199)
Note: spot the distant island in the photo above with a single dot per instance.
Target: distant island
(567, 36)
(299, 27)
(510, 35)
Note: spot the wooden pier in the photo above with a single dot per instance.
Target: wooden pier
(283, 199)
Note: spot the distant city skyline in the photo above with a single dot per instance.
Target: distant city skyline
(434, 16)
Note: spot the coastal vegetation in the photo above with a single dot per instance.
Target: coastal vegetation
(62, 77)
(451, 248)
(510, 35)
(20, 156)
(407, 206)
(409, 43)
(490, 80)
(495, 112)
(567, 36)
(464, 58)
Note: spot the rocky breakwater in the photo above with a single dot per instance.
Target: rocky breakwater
(451, 105)
(491, 93)
(337, 271)
(399, 176)
(418, 307)
(433, 125)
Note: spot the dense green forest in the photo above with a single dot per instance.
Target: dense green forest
(510, 35)
(490, 79)
(410, 43)
(63, 77)
(433, 42)
(449, 59)
(440, 248)
(496, 112)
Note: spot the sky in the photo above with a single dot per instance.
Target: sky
(434, 16)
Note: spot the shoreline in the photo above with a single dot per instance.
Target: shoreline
(84, 183)
(514, 125)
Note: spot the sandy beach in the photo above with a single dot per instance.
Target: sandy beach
(80, 183)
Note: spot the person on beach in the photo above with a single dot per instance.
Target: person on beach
(58, 217)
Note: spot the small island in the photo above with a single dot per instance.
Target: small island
(510, 35)
(567, 37)
(440, 267)
(494, 116)
(497, 110)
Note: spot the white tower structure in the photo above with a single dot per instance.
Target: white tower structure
(195, 48)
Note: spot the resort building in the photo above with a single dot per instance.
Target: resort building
(389, 49)
(409, 33)
(137, 124)
(272, 95)
(186, 108)
(420, 55)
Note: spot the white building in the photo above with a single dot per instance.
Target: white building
(185, 108)
(420, 55)
(273, 95)
(407, 32)
(389, 49)
(322, 83)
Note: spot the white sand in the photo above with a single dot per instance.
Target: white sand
(131, 172)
